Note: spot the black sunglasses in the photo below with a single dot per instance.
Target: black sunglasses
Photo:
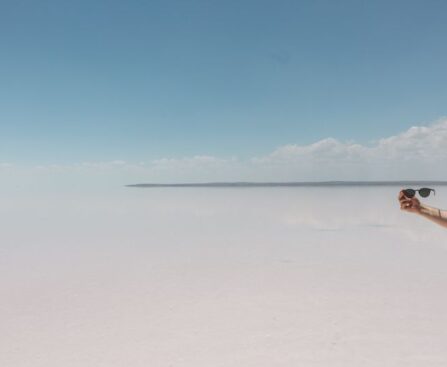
(424, 192)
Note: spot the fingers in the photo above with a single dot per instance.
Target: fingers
(410, 205)
(401, 195)
(406, 204)
(404, 200)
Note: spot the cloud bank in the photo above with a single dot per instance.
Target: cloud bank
(418, 153)
(413, 154)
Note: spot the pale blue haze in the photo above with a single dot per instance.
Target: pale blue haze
(138, 80)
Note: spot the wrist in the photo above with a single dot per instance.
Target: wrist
(429, 211)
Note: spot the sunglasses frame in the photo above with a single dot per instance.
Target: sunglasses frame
(410, 193)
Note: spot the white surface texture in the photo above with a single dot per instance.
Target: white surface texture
(194, 277)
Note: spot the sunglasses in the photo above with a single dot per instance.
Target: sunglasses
(424, 192)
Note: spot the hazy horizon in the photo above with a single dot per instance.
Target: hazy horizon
(286, 183)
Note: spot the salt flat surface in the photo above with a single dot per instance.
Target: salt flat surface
(221, 277)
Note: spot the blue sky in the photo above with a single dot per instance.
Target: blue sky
(142, 80)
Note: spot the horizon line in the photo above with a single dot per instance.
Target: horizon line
(289, 183)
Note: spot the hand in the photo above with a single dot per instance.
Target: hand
(411, 205)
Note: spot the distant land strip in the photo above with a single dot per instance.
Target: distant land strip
(294, 184)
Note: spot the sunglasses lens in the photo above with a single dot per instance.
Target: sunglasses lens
(409, 193)
(424, 192)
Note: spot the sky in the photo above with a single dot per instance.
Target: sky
(169, 89)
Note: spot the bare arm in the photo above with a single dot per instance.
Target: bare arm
(434, 214)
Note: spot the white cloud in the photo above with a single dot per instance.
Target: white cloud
(324, 150)
(418, 153)
(425, 142)
(6, 165)
(420, 143)
(413, 154)
(194, 162)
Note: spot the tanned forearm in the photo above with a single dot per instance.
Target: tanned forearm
(434, 214)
